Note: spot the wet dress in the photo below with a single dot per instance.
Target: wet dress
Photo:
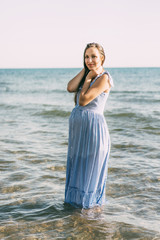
(88, 153)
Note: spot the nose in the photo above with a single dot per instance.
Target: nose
(89, 59)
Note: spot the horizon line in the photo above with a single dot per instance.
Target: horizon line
(5, 68)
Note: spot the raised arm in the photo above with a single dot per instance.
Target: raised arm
(89, 93)
(73, 83)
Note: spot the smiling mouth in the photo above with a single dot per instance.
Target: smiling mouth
(90, 65)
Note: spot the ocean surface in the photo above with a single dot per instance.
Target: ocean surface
(34, 112)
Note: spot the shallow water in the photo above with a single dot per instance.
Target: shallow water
(34, 112)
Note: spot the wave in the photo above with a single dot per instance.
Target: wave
(120, 115)
(31, 91)
(7, 106)
(133, 116)
(53, 113)
(136, 91)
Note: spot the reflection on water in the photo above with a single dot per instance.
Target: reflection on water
(65, 222)
(34, 113)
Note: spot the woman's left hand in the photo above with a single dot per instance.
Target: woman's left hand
(91, 75)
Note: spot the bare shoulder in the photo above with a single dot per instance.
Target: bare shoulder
(103, 81)
(103, 78)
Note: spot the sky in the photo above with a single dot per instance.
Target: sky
(54, 33)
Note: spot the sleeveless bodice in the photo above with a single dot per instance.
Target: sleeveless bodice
(97, 105)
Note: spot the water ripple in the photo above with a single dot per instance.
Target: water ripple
(34, 112)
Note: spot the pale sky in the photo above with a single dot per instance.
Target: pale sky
(54, 33)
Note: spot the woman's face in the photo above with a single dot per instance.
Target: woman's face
(93, 58)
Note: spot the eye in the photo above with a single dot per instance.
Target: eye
(86, 56)
(94, 56)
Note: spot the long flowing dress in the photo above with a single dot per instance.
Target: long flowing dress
(88, 153)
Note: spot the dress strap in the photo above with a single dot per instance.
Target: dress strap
(95, 79)
(105, 72)
(110, 78)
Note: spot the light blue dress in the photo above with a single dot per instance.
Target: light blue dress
(88, 153)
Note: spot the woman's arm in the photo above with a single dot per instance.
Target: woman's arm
(89, 93)
(73, 83)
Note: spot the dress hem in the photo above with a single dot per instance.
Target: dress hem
(85, 200)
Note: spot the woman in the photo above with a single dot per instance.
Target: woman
(89, 143)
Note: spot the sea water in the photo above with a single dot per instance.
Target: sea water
(34, 112)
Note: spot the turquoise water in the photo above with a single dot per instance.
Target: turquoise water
(34, 112)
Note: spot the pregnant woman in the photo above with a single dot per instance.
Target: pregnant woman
(89, 142)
